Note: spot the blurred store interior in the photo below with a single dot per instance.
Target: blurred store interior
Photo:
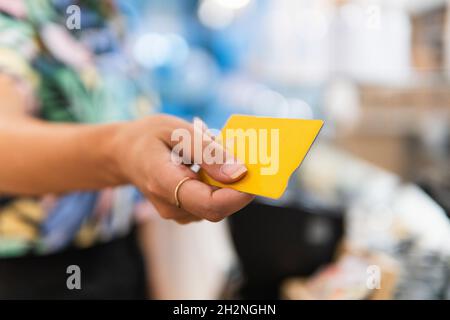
(372, 199)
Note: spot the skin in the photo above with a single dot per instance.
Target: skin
(39, 157)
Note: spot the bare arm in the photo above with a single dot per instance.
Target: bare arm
(37, 157)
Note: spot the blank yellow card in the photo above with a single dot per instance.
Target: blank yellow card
(271, 148)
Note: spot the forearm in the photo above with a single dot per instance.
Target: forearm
(37, 157)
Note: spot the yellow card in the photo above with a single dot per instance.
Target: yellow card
(271, 148)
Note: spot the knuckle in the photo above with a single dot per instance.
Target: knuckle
(214, 213)
(149, 188)
(165, 214)
(166, 119)
(215, 218)
(187, 219)
(206, 208)
(162, 117)
(182, 222)
(152, 189)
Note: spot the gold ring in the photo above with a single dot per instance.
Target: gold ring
(177, 188)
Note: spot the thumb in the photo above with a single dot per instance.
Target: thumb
(228, 172)
(218, 163)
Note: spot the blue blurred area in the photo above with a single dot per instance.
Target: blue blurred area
(197, 59)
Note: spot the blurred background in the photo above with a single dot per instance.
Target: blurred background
(367, 214)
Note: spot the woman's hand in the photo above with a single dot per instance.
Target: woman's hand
(144, 158)
(41, 157)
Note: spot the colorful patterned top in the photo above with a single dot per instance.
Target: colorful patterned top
(79, 75)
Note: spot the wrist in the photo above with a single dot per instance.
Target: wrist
(109, 152)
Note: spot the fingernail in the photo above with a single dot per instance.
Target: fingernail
(233, 170)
